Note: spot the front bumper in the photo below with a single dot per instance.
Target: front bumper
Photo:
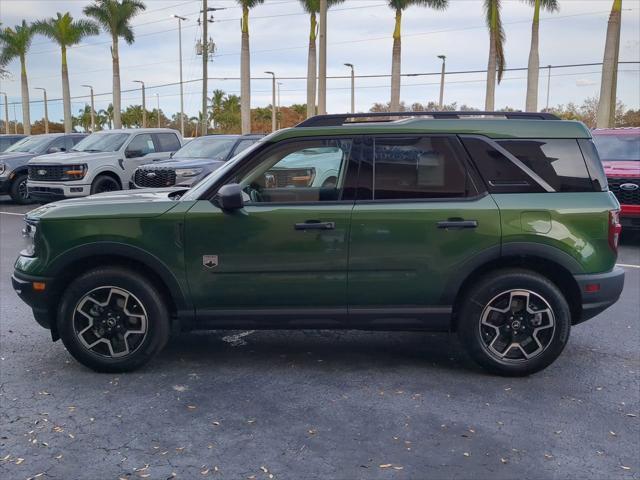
(50, 191)
(597, 299)
(41, 302)
(5, 185)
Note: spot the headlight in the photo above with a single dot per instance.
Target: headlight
(3, 167)
(74, 172)
(29, 234)
(188, 172)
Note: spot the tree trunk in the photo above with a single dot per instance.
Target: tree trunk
(245, 75)
(312, 68)
(66, 96)
(607, 103)
(533, 70)
(490, 98)
(26, 117)
(396, 59)
(117, 118)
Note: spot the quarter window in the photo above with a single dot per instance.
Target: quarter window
(418, 168)
(558, 162)
(303, 171)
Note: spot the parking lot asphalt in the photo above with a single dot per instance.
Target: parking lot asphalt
(318, 404)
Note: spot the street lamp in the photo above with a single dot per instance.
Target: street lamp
(441, 101)
(144, 104)
(353, 87)
(273, 100)
(6, 113)
(158, 107)
(278, 109)
(93, 114)
(46, 111)
(180, 20)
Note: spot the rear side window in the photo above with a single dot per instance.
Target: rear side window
(416, 168)
(168, 142)
(594, 165)
(499, 173)
(558, 162)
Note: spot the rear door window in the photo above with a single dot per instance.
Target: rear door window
(421, 167)
(558, 162)
(167, 142)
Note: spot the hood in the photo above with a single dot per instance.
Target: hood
(12, 158)
(70, 158)
(182, 162)
(121, 204)
(621, 168)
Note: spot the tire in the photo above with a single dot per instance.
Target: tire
(18, 190)
(112, 319)
(105, 183)
(487, 330)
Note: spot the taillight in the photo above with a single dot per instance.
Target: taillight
(614, 229)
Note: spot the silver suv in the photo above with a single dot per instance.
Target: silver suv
(102, 162)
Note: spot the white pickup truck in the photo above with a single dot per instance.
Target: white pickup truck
(102, 162)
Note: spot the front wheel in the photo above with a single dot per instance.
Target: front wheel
(104, 183)
(514, 322)
(18, 191)
(113, 319)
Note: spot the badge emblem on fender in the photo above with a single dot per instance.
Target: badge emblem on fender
(210, 261)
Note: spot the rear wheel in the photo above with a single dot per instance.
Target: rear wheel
(113, 320)
(105, 183)
(18, 190)
(514, 322)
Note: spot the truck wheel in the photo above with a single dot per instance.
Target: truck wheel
(18, 190)
(105, 183)
(514, 322)
(112, 319)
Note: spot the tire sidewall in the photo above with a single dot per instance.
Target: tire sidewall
(15, 190)
(488, 288)
(102, 179)
(146, 293)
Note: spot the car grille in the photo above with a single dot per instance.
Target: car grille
(625, 197)
(47, 172)
(154, 177)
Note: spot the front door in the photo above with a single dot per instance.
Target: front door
(284, 255)
(419, 222)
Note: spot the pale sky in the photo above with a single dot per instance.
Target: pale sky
(359, 32)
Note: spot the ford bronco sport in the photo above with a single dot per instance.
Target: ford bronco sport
(498, 226)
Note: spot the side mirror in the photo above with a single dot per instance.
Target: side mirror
(230, 197)
(55, 150)
(132, 153)
(171, 154)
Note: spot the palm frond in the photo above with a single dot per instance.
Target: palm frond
(548, 5)
(404, 4)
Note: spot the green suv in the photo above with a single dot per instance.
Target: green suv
(498, 226)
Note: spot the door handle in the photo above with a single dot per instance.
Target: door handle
(315, 225)
(457, 224)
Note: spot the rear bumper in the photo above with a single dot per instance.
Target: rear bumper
(40, 301)
(610, 285)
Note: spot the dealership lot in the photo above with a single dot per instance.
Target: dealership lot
(309, 404)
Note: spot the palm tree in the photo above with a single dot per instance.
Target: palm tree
(607, 103)
(115, 16)
(533, 70)
(496, 62)
(245, 66)
(66, 32)
(108, 115)
(14, 43)
(312, 7)
(396, 56)
(217, 100)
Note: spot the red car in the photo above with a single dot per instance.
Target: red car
(619, 149)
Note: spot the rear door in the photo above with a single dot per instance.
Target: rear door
(420, 221)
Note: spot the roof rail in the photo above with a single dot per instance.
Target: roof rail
(334, 120)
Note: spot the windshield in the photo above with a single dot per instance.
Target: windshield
(207, 181)
(35, 144)
(206, 147)
(618, 147)
(101, 142)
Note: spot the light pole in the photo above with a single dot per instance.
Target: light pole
(353, 87)
(180, 20)
(278, 109)
(6, 113)
(441, 101)
(46, 110)
(548, 84)
(93, 112)
(273, 100)
(158, 107)
(144, 104)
